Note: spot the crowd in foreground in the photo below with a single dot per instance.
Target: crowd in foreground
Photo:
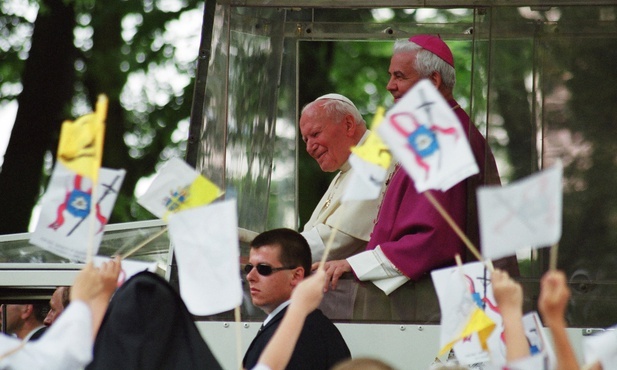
(69, 342)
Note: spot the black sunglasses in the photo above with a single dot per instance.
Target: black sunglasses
(265, 269)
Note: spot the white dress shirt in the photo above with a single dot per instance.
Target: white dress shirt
(66, 345)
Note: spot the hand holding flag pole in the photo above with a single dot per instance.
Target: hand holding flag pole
(206, 251)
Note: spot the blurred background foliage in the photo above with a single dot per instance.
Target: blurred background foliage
(57, 56)
(539, 81)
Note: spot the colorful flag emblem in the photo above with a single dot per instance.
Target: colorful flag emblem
(428, 140)
(178, 187)
(66, 207)
(461, 316)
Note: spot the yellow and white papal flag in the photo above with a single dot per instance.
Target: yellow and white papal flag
(177, 187)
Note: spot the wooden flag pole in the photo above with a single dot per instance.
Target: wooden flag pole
(14, 350)
(144, 243)
(329, 244)
(238, 337)
(553, 257)
(590, 366)
(92, 223)
(459, 261)
(455, 227)
(100, 115)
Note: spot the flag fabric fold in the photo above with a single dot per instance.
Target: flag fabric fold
(525, 213)
(205, 241)
(427, 138)
(369, 162)
(373, 150)
(366, 180)
(80, 147)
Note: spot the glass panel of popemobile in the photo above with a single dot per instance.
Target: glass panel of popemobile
(535, 78)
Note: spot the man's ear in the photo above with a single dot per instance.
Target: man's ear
(27, 311)
(298, 276)
(350, 125)
(436, 79)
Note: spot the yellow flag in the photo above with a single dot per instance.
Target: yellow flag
(81, 141)
(379, 114)
(374, 150)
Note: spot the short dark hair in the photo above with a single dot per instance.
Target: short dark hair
(295, 250)
(40, 310)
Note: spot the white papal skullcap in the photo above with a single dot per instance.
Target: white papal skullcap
(338, 97)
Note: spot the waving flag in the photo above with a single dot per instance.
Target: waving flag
(373, 150)
(366, 180)
(78, 189)
(178, 187)
(370, 162)
(461, 316)
(526, 213)
(80, 148)
(62, 228)
(205, 241)
(427, 138)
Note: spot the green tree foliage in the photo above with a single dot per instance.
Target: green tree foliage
(78, 50)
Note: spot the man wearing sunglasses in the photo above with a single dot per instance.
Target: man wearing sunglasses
(279, 260)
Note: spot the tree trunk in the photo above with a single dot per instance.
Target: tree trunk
(47, 80)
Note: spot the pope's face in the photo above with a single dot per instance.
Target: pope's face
(327, 140)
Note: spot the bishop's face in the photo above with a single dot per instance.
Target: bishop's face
(403, 75)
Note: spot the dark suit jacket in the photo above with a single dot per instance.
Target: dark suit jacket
(319, 347)
(37, 334)
(147, 326)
